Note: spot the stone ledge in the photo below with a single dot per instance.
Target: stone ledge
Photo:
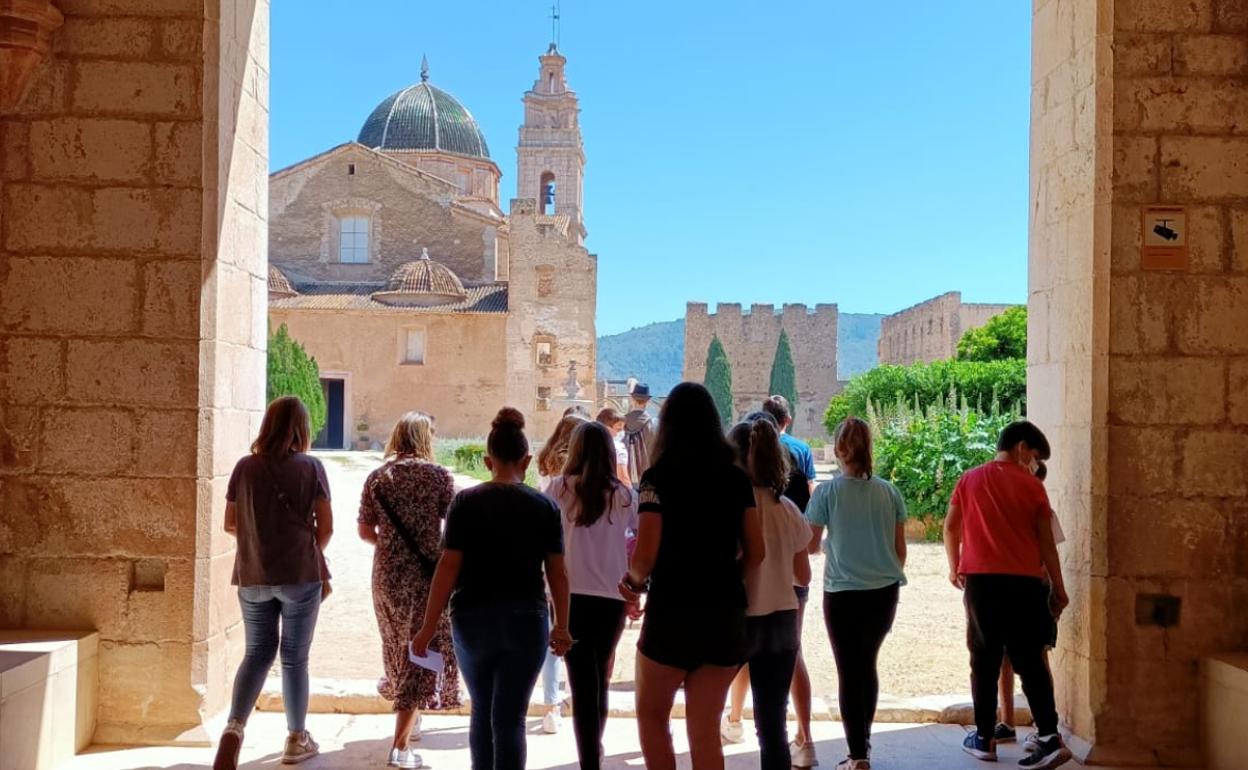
(359, 696)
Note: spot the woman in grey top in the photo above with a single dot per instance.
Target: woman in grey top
(277, 506)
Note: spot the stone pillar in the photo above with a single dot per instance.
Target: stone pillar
(1138, 376)
(132, 266)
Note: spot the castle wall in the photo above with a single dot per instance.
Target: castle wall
(750, 340)
(460, 382)
(407, 211)
(930, 330)
(553, 294)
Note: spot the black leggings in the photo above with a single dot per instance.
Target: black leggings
(596, 624)
(857, 623)
(1009, 614)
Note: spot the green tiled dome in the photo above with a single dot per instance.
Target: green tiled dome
(424, 117)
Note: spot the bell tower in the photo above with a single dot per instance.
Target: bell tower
(550, 155)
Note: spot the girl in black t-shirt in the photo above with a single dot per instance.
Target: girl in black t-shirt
(699, 530)
(501, 536)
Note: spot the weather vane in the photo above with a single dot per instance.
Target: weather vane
(554, 24)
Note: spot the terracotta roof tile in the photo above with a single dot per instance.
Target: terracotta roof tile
(481, 298)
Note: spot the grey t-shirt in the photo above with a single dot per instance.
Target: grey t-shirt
(276, 538)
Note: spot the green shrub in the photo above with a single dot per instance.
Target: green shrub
(999, 385)
(719, 379)
(292, 372)
(470, 457)
(1003, 337)
(924, 450)
(783, 374)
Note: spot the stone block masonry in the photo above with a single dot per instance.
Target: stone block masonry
(750, 341)
(132, 272)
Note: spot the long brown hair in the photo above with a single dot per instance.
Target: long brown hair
(412, 437)
(591, 459)
(690, 435)
(760, 454)
(286, 428)
(555, 452)
(853, 440)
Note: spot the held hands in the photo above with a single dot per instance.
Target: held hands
(560, 640)
(633, 610)
(420, 642)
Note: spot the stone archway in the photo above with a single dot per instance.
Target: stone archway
(133, 198)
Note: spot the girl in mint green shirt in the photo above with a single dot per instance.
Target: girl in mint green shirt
(866, 552)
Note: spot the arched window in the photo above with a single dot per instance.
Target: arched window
(546, 194)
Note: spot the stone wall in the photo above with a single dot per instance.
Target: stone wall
(459, 383)
(408, 210)
(930, 330)
(1138, 376)
(132, 279)
(552, 297)
(750, 341)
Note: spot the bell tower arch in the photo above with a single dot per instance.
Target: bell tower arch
(551, 156)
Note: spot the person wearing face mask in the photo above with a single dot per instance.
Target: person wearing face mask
(1000, 545)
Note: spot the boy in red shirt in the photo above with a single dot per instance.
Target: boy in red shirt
(999, 541)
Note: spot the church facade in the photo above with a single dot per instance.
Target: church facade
(392, 262)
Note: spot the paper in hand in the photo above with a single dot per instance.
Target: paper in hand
(431, 660)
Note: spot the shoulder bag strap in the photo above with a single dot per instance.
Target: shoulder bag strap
(284, 499)
(427, 565)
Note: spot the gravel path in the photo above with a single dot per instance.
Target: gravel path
(924, 655)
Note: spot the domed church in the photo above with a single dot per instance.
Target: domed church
(393, 263)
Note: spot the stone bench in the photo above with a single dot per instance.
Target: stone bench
(48, 686)
(1224, 710)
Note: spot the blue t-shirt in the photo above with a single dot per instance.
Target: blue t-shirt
(861, 516)
(802, 458)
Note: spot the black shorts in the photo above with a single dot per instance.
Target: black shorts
(686, 638)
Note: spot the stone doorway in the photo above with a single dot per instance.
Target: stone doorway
(133, 206)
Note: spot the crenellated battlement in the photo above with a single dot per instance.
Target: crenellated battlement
(750, 337)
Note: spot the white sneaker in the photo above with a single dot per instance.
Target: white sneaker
(414, 735)
(298, 748)
(731, 732)
(404, 758)
(552, 721)
(803, 755)
(853, 764)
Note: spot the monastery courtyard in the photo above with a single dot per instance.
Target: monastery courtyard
(924, 655)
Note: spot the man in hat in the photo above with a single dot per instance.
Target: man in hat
(639, 430)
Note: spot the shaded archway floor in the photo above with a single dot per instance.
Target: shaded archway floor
(349, 741)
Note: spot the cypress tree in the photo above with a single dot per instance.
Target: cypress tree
(783, 373)
(292, 372)
(719, 379)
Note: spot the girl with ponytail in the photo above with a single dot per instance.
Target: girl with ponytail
(771, 622)
(502, 538)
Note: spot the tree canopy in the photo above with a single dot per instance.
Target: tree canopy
(292, 372)
(1002, 338)
(719, 379)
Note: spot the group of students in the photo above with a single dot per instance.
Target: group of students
(707, 543)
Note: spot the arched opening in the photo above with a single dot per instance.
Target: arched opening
(546, 193)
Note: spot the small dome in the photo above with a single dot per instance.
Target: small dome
(422, 282)
(424, 117)
(279, 284)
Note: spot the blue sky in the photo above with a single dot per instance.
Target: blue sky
(868, 154)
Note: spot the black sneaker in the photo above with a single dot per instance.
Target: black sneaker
(1003, 733)
(1049, 753)
(980, 748)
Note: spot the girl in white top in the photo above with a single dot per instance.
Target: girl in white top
(598, 511)
(771, 615)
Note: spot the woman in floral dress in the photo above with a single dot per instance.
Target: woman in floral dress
(411, 488)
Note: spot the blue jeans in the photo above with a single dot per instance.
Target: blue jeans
(500, 650)
(297, 606)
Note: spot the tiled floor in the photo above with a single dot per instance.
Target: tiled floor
(362, 742)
